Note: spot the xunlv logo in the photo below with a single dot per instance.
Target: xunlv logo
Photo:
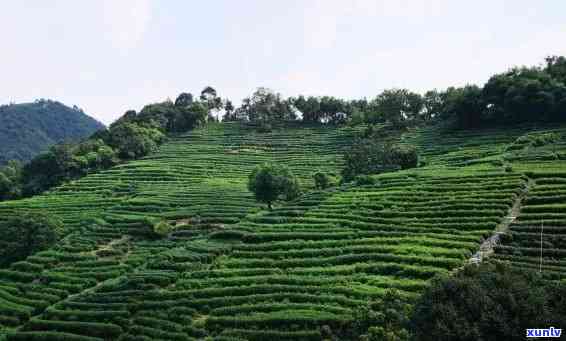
(549, 332)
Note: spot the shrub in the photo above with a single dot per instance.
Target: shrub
(362, 180)
(162, 229)
(404, 155)
(322, 180)
(156, 228)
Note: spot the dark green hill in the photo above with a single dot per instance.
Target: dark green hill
(27, 129)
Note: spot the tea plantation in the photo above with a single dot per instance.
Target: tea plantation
(232, 270)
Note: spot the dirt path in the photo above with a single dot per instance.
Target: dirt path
(87, 290)
(487, 246)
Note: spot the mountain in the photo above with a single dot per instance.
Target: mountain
(27, 129)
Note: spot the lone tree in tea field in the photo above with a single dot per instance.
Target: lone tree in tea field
(369, 156)
(270, 182)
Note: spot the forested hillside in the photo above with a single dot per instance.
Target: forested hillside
(27, 129)
(230, 269)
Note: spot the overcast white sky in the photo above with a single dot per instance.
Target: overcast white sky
(107, 56)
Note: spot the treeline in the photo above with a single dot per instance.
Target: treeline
(132, 136)
(521, 94)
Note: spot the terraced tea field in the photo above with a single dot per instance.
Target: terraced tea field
(233, 271)
(541, 224)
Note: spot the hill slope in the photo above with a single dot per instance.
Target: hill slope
(234, 271)
(29, 128)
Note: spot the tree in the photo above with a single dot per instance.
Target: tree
(361, 112)
(309, 108)
(487, 302)
(25, 233)
(211, 101)
(265, 106)
(207, 94)
(384, 319)
(398, 105)
(333, 110)
(321, 180)
(95, 155)
(523, 94)
(405, 156)
(50, 169)
(465, 104)
(6, 187)
(157, 228)
(270, 182)
(556, 68)
(433, 105)
(10, 180)
(184, 99)
(368, 156)
(191, 117)
(324, 109)
(229, 114)
(133, 141)
(106, 157)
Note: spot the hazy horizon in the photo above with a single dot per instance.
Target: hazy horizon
(110, 56)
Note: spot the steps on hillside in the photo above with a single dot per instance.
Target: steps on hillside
(487, 247)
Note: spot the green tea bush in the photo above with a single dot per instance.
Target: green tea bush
(162, 229)
(322, 180)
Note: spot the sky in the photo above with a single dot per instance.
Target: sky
(109, 56)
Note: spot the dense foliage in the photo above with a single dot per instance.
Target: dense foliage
(264, 107)
(519, 95)
(183, 115)
(522, 94)
(489, 302)
(325, 109)
(26, 233)
(10, 180)
(132, 141)
(395, 106)
(384, 319)
(29, 128)
(270, 182)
